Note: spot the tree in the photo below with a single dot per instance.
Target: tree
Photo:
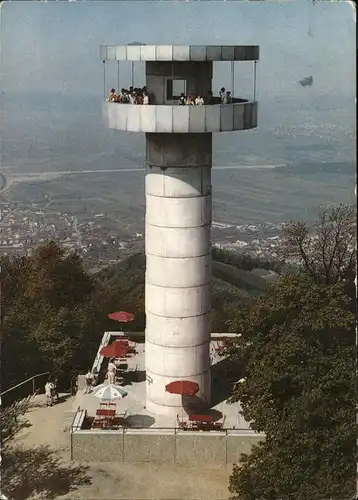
(10, 417)
(36, 471)
(328, 251)
(299, 389)
(53, 314)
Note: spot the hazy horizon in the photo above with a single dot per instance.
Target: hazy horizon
(52, 92)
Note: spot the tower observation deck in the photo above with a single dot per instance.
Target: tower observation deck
(178, 204)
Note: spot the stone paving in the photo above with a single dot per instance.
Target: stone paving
(134, 403)
(45, 471)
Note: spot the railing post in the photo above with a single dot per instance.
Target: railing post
(233, 78)
(255, 64)
(118, 77)
(104, 80)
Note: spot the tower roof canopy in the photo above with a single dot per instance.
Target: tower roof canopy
(196, 53)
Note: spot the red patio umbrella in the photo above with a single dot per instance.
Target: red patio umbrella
(121, 316)
(118, 349)
(183, 387)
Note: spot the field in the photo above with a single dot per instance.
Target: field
(52, 133)
(246, 196)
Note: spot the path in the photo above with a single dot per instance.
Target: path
(46, 473)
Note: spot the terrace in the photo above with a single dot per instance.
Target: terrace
(135, 433)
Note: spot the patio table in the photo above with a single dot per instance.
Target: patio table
(201, 418)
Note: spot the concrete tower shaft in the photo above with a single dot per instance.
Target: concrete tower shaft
(178, 202)
(178, 273)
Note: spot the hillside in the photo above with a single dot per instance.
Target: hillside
(235, 279)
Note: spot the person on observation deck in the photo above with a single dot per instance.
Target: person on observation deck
(227, 98)
(210, 97)
(182, 100)
(190, 101)
(112, 97)
(145, 97)
(139, 96)
(199, 101)
(125, 98)
(222, 94)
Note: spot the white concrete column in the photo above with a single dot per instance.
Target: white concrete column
(178, 272)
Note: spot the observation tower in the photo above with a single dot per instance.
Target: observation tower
(178, 194)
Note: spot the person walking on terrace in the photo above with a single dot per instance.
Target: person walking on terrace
(56, 385)
(111, 372)
(49, 388)
(89, 380)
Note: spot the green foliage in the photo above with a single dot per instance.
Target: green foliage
(327, 251)
(244, 261)
(298, 344)
(231, 285)
(11, 417)
(53, 314)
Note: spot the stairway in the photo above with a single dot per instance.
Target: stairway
(68, 419)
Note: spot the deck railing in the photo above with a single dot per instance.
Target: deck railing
(21, 393)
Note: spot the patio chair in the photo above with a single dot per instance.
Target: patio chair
(182, 424)
(219, 425)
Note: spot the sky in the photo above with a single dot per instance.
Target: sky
(54, 46)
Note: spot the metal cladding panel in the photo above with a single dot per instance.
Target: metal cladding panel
(178, 182)
(178, 361)
(133, 52)
(147, 52)
(213, 53)
(254, 107)
(178, 212)
(183, 332)
(147, 118)
(164, 52)
(178, 273)
(247, 115)
(177, 302)
(121, 115)
(133, 117)
(198, 52)
(227, 117)
(197, 119)
(178, 150)
(161, 402)
(253, 53)
(181, 119)
(163, 241)
(181, 53)
(103, 52)
(110, 111)
(164, 119)
(111, 52)
(239, 116)
(212, 118)
(240, 53)
(228, 53)
(121, 53)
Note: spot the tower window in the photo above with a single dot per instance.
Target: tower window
(175, 88)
